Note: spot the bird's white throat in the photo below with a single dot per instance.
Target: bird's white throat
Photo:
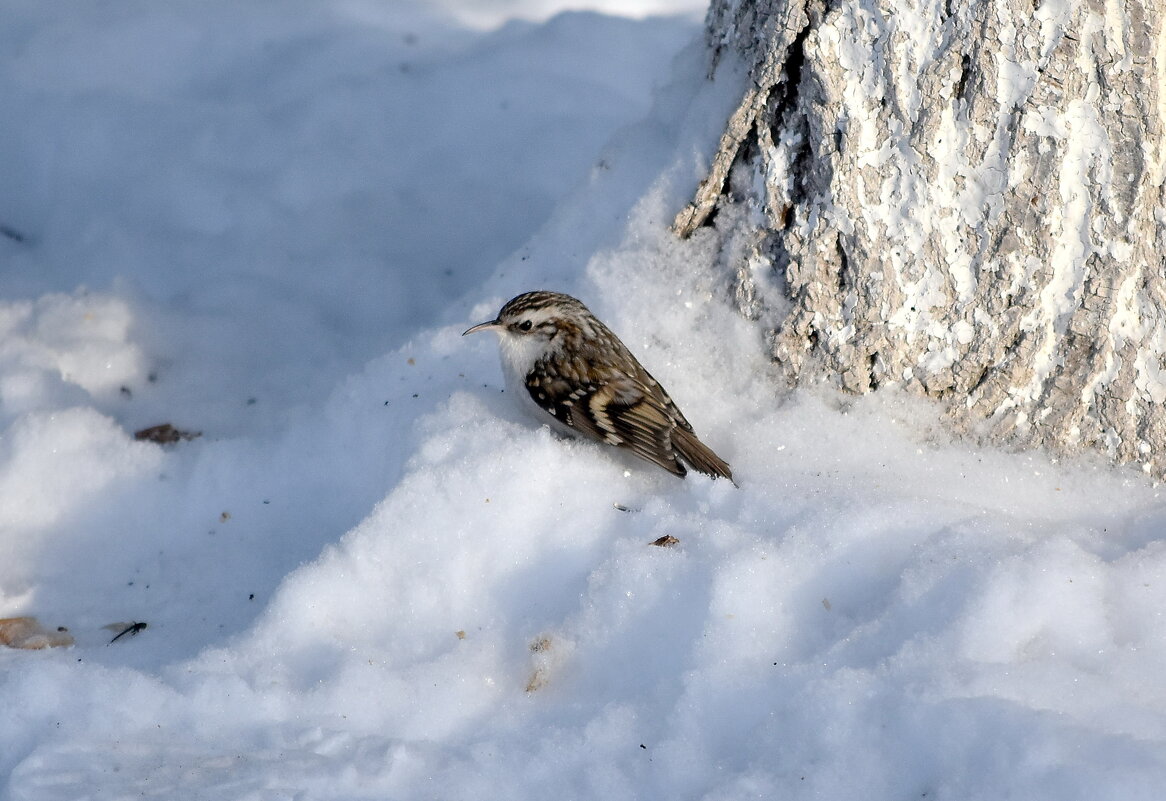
(520, 354)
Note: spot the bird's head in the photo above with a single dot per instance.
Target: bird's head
(536, 324)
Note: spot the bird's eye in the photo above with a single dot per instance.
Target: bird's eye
(524, 325)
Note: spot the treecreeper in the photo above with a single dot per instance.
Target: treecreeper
(582, 379)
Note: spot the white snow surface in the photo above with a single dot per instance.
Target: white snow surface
(373, 576)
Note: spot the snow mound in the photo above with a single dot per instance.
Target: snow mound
(392, 583)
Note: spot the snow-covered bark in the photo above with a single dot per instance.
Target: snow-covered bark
(964, 198)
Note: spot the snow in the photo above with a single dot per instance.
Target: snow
(372, 576)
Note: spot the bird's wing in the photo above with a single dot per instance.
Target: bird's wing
(617, 409)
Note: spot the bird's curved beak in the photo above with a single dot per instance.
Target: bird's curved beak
(482, 327)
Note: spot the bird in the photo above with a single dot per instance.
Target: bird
(583, 380)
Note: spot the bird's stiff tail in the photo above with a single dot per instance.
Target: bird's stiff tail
(699, 456)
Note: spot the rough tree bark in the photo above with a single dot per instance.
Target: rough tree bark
(964, 198)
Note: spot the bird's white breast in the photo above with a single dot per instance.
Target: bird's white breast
(519, 355)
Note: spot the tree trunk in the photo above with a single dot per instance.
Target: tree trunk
(964, 198)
